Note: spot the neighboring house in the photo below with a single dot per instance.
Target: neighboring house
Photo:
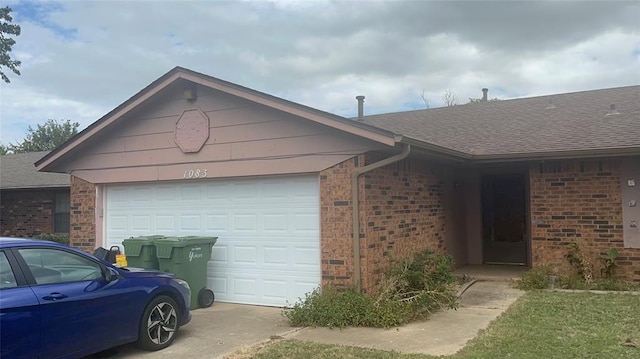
(31, 202)
(285, 186)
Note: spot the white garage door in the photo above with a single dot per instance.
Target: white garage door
(268, 248)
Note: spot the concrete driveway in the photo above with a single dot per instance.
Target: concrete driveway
(226, 328)
(215, 332)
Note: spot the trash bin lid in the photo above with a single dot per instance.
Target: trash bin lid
(185, 241)
(143, 239)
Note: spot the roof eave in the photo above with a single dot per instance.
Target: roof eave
(442, 152)
(558, 155)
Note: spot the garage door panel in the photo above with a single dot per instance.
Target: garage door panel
(245, 255)
(245, 222)
(275, 255)
(268, 230)
(190, 222)
(268, 289)
(220, 255)
(276, 222)
(165, 222)
(141, 222)
(217, 222)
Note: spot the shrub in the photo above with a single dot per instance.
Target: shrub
(412, 288)
(423, 282)
(535, 278)
(331, 307)
(54, 237)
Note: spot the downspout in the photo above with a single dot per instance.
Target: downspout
(355, 203)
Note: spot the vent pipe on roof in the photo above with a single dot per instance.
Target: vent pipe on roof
(550, 106)
(612, 110)
(360, 107)
(485, 94)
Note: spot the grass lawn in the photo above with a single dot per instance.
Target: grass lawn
(539, 325)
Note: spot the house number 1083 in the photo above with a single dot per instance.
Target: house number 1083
(196, 173)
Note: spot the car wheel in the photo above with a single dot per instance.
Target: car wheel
(205, 298)
(159, 324)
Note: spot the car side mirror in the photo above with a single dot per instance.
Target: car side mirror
(110, 274)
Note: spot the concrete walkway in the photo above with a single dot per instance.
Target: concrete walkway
(444, 333)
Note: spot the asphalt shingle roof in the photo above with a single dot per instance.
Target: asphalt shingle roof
(554, 123)
(18, 172)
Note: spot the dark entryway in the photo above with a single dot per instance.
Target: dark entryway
(504, 229)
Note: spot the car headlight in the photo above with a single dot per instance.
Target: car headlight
(182, 283)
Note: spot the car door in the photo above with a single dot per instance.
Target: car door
(19, 312)
(78, 306)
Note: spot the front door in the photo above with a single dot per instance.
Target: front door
(504, 229)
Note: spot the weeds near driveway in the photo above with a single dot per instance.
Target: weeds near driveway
(546, 325)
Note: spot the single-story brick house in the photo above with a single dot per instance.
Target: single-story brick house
(32, 202)
(285, 187)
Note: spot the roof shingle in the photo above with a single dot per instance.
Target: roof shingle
(555, 123)
(17, 171)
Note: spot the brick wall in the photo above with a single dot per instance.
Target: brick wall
(336, 245)
(83, 203)
(26, 213)
(579, 202)
(402, 212)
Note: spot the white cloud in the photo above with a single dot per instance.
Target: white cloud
(82, 59)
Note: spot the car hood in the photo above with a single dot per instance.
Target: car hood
(141, 272)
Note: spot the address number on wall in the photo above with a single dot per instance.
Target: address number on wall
(195, 173)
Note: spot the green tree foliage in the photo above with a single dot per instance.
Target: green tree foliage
(3, 150)
(7, 28)
(46, 137)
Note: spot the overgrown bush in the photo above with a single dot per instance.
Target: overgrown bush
(535, 278)
(54, 237)
(412, 289)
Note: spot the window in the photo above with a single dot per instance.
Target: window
(7, 279)
(62, 210)
(56, 266)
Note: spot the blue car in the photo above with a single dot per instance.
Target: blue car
(60, 302)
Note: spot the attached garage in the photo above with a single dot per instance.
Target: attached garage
(268, 248)
(194, 155)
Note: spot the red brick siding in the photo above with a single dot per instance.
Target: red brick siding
(579, 201)
(27, 213)
(336, 245)
(402, 213)
(83, 203)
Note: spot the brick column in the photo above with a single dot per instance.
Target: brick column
(83, 203)
(336, 243)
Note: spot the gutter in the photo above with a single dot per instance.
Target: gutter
(355, 203)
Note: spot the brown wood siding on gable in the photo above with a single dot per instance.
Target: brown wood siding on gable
(245, 139)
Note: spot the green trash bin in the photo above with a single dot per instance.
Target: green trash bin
(141, 251)
(187, 258)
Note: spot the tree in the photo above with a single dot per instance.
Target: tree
(478, 100)
(46, 137)
(449, 98)
(3, 150)
(7, 28)
(424, 99)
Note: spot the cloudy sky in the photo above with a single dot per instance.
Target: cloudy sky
(80, 59)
